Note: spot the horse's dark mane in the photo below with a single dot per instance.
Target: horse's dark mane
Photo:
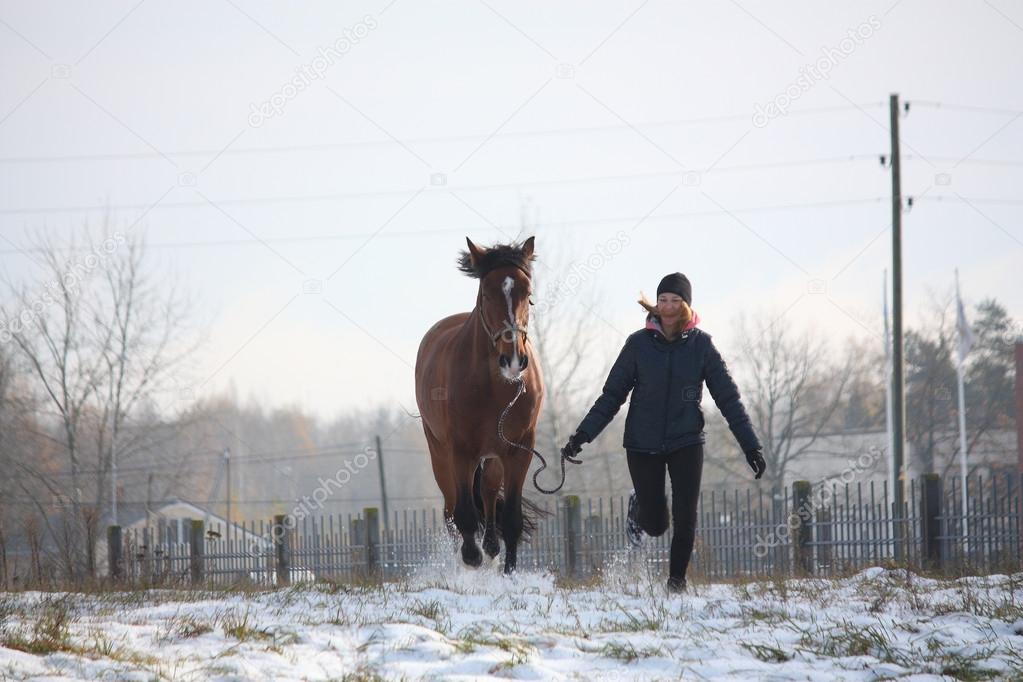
(496, 256)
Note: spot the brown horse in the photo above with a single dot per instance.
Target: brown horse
(467, 372)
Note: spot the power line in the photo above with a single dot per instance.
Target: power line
(955, 160)
(964, 107)
(832, 203)
(318, 453)
(333, 146)
(341, 196)
(972, 200)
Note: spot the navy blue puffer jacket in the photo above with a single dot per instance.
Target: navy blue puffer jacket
(666, 380)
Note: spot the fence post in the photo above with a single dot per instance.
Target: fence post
(358, 544)
(573, 535)
(930, 524)
(594, 529)
(824, 539)
(282, 550)
(196, 547)
(801, 546)
(372, 517)
(115, 553)
(147, 556)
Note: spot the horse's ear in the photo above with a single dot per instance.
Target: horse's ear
(527, 248)
(475, 253)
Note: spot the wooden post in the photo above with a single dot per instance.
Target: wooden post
(801, 547)
(196, 551)
(358, 532)
(372, 517)
(930, 524)
(115, 553)
(358, 544)
(573, 535)
(282, 550)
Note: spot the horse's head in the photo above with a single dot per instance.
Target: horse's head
(504, 272)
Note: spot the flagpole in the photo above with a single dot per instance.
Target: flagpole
(960, 319)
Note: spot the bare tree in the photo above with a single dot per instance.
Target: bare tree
(565, 328)
(98, 338)
(138, 327)
(792, 390)
(48, 325)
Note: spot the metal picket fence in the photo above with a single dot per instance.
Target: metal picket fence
(802, 529)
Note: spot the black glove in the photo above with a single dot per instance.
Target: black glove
(575, 444)
(756, 462)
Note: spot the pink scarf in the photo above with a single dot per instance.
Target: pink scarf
(654, 322)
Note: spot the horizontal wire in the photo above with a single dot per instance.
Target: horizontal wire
(422, 140)
(834, 203)
(340, 196)
(963, 107)
(959, 160)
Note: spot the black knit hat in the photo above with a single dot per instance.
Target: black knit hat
(676, 283)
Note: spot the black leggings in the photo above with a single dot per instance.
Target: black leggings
(684, 466)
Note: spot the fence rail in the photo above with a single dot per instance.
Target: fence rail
(802, 529)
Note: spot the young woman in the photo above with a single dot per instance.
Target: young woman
(665, 366)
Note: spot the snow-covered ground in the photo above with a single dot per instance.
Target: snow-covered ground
(456, 623)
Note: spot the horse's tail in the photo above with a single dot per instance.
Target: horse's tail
(531, 515)
(531, 511)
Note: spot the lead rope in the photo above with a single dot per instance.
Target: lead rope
(543, 462)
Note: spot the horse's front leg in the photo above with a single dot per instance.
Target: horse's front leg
(515, 468)
(490, 486)
(466, 518)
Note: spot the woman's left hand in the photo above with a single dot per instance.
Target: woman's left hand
(756, 462)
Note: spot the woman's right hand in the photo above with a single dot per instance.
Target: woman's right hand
(574, 445)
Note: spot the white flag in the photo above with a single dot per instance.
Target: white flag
(965, 334)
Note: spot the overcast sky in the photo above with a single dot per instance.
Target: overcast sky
(317, 226)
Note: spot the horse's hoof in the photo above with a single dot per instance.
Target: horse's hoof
(509, 569)
(471, 555)
(491, 545)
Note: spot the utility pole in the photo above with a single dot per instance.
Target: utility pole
(383, 481)
(1019, 415)
(149, 498)
(113, 472)
(892, 473)
(898, 362)
(227, 466)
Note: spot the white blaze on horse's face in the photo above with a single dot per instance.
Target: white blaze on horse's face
(516, 366)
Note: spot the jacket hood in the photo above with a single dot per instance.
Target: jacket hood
(654, 322)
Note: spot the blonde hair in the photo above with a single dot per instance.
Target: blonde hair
(687, 312)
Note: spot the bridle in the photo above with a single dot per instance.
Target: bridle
(507, 330)
(511, 329)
